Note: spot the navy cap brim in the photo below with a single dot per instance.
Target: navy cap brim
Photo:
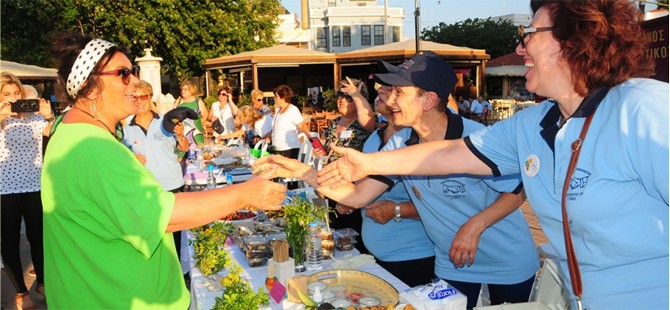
(393, 79)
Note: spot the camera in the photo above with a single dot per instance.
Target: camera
(25, 105)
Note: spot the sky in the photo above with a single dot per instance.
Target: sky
(448, 11)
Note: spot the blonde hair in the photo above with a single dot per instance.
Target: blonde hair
(256, 93)
(247, 112)
(146, 87)
(192, 88)
(7, 78)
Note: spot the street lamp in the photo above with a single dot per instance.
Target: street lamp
(417, 24)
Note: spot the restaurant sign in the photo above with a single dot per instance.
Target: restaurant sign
(656, 33)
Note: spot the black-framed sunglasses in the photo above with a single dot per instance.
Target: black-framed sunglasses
(223, 94)
(524, 32)
(124, 73)
(259, 99)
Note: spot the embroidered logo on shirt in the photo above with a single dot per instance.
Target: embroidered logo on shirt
(532, 165)
(578, 182)
(453, 189)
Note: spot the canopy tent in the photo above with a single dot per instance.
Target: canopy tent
(507, 65)
(302, 65)
(28, 72)
(463, 59)
(406, 49)
(506, 77)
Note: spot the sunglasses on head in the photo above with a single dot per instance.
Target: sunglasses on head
(125, 73)
(524, 32)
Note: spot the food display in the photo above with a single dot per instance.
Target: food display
(254, 238)
(345, 239)
(240, 215)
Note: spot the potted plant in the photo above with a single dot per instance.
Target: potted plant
(209, 254)
(238, 293)
(297, 214)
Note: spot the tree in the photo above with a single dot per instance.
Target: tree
(183, 32)
(498, 38)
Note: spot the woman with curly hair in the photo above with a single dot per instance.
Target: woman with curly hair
(589, 58)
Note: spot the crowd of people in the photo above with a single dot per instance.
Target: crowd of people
(104, 205)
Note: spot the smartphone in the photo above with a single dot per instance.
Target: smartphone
(316, 144)
(25, 105)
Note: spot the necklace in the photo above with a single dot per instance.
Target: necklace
(95, 118)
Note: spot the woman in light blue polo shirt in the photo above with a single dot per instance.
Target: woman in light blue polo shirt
(589, 56)
(154, 147)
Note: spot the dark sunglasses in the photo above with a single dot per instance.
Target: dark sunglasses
(143, 97)
(223, 94)
(124, 73)
(524, 32)
(259, 99)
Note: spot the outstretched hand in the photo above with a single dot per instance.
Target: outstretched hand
(278, 166)
(268, 195)
(350, 167)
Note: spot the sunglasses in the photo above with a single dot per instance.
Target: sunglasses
(125, 73)
(143, 97)
(259, 100)
(524, 32)
(223, 94)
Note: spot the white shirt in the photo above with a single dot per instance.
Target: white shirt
(285, 129)
(263, 126)
(225, 115)
(21, 154)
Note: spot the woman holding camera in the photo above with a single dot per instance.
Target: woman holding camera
(23, 124)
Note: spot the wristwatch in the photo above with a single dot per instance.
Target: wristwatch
(397, 216)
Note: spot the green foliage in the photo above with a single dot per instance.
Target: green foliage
(330, 102)
(243, 99)
(238, 293)
(209, 254)
(297, 215)
(184, 33)
(498, 38)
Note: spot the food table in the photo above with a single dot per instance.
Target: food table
(202, 290)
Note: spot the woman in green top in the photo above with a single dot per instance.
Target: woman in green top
(107, 222)
(194, 130)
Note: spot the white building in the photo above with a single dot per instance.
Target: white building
(338, 26)
(516, 19)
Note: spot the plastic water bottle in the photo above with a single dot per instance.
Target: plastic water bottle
(314, 256)
(211, 179)
(201, 160)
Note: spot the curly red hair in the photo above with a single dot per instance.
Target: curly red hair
(601, 40)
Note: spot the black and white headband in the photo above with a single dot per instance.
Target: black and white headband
(84, 64)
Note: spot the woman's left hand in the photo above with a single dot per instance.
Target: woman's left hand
(465, 243)
(381, 211)
(349, 88)
(45, 108)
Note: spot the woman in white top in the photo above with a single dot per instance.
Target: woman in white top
(287, 124)
(21, 165)
(224, 110)
(254, 126)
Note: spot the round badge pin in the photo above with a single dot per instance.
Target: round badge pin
(532, 165)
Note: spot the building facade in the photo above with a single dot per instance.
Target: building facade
(338, 26)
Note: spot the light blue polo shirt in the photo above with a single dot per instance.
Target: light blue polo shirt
(618, 196)
(394, 241)
(506, 252)
(159, 148)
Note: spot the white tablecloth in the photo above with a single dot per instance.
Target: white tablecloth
(203, 298)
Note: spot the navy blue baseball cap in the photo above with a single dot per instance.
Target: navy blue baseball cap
(425, 70)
